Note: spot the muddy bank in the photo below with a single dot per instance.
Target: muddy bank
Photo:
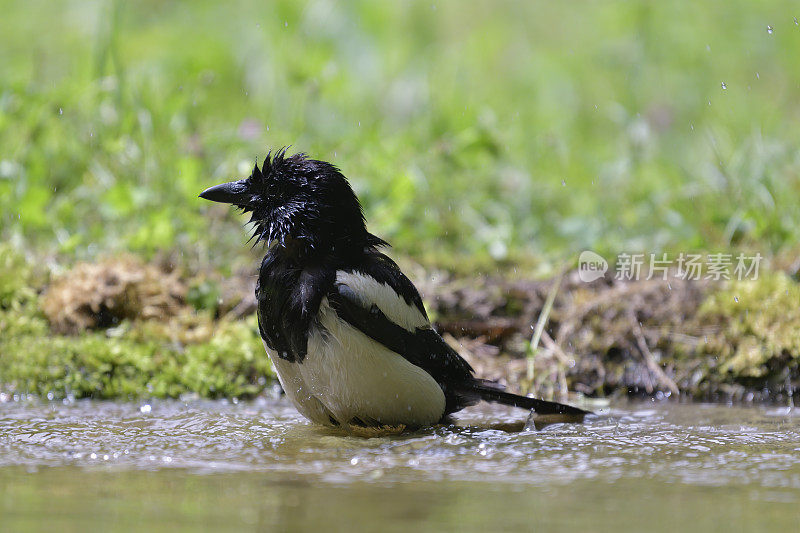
(724, 340)
(124, 328)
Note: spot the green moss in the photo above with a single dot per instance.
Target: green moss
(758, 326)
(96, 365)
(16, 277)
(204, 294)
(190, 353)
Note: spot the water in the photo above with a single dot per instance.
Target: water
(216, 465)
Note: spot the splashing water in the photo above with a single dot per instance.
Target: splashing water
(221, 464)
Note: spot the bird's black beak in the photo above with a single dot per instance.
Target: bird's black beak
(235, 192)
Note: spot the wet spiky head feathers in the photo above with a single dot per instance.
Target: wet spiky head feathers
(301, 204)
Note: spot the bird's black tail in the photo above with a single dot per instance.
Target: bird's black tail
(491, 392)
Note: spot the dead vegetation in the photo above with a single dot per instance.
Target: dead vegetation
(699, 338)
(601, 337)
(101, 295)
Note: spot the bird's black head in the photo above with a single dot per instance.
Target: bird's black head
(302, 205)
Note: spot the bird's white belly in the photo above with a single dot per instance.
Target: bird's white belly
(350, 378)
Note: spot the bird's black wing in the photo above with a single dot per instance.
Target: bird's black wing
(422, 345)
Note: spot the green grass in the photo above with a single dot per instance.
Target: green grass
(484, 130)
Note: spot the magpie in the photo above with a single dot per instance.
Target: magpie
(345, 329)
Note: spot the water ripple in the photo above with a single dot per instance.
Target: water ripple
(700, 445)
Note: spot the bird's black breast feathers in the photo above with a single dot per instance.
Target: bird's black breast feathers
(288, 299)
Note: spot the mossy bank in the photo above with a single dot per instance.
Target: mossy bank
(121, 328)
(131, 341)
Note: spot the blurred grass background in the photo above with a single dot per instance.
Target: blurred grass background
(489, 130)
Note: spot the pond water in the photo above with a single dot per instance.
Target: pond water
(258, 465)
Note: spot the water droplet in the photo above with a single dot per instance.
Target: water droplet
(769, 29)
(354, 461)
(724, 85)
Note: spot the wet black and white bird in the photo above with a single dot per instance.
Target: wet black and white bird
(346, 330)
